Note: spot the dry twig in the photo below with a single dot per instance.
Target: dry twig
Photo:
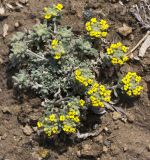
(134, 48)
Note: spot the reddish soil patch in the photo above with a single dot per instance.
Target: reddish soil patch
(122, 141)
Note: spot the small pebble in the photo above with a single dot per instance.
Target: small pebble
(125, 148)
(130, 117)
(27, 130)
(105, 149)
(116, 116)
(17, 24)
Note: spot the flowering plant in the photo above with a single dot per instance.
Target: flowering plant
(116, 53)
(97, 28)
(66, 119)
(130, 84)
(57, 49)
(61, 69)
(52, 11)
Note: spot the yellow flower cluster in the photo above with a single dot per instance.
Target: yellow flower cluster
(72, 115)
(52, 11)
(51, 131)
(116, 53)
(131, 84)
(99, 94)
(53, 123)
(97, 28)
(82, 79)
(82, 102)
(57, 48)
(69, 129)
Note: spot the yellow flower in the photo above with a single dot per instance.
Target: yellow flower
(113, 46)
(71, 112)
(138, 79)
(71, 116)
(95, 85)
(77, 72)
(85, 83)
(101, 104)
(49, 134)
(107, 99)
(124, 48)
(119, 44)
(108, 92)
(125, 58)
(82, 102)
(104, 27)
(62, 118)
(88, 24)
(59, 6)
(120, 62)
(95, 89)
(66, 128)
(39, 124)
(95, 104)
(102, 22)
(45, 9)
(88, 28)
(52, 117)
(72, 130)
(76, 119)
(92, 98)
(129, 93)
(47, 16)
(54, 130)
(93, 20)
(90, 81)
(57, 56)
(109, 51)
(102, 87)
(92, 33)
(104, 34)
(125, 87)
(139, 88)
(54, 42)
(135, 92)
(90, 92)
(114, 60)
